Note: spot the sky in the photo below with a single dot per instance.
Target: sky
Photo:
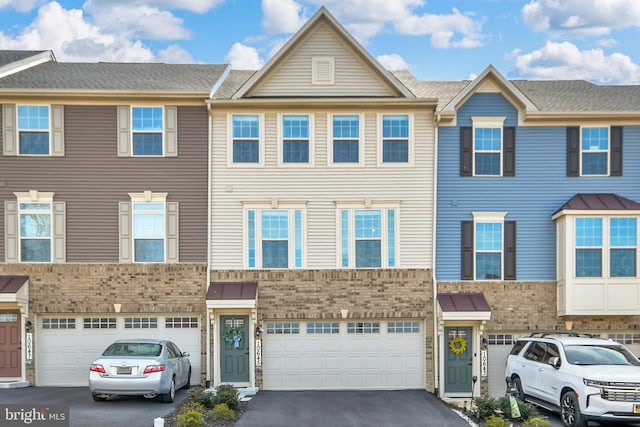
(594, 40)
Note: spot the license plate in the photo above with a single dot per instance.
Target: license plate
(124, 371)
(636, 409)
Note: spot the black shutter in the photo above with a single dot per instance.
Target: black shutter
(573, 151)
(616, 151)
(509, 250)
(466, 151)
(509, 151)
(467, 250)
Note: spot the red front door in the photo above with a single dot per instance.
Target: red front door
(10, 347)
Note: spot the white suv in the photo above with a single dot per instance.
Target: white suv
(582, 377)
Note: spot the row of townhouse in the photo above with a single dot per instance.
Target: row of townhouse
(320, 223)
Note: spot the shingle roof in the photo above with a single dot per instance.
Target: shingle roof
(104, 76)
(235, 79)
(444, 91)
(586, 202)
(11, 284)
(9, 56)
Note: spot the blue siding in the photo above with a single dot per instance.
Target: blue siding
(539, 188)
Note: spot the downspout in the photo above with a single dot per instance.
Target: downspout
(208, 275)
(436, 338)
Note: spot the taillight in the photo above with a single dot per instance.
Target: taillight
(153, 368)
(97, 368)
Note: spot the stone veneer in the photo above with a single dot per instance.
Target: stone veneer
(94, 288)
(322, 294)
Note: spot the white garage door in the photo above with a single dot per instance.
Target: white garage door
(66, 345)
(499, 347)
(344, 355)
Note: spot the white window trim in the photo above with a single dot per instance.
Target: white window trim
(380, 143)
(280, 139)
(361, 146)
(19, 130)
(274, 204)
(35, 196)
(483, 123)
(608, 151)
(352, 206)
(330, 61)
(133, 132)
(148, 197)
(485, 218)
(261, 141)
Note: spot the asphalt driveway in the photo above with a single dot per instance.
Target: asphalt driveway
(405, 408)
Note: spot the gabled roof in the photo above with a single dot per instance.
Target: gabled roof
(598, 202)
(489, 73)
(13, 61)
(322, 15)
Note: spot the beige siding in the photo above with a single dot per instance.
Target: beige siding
(293, 76)
(321, 186)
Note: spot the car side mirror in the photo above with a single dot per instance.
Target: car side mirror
(185, 354)
(555, 362)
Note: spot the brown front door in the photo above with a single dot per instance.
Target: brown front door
(10, 348)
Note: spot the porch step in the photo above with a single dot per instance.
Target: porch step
(14, 384)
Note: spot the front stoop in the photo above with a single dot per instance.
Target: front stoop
(14, 384)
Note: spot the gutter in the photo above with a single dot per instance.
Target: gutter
(208, 275)
(436, 338)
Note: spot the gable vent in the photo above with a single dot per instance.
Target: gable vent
(323, 70)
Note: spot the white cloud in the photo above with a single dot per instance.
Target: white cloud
(19, 5)
(175, 54)
(566, 61)
(581, 17)
(282, 16)
(243, 57)
(443, 28)
(197, 6)
(607, 42)
(393, 62)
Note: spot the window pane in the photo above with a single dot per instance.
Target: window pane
(148, 225)
(368, 253)
(35, 250)
(149, 250)
(345, 152)
(588, 232)
(34, 142)
(275, 225)
(595, 145)
(623, 232)
(148, 207)
(391, 238)
(296, 151)
(33, 117)
(295, 127)
(487, 163)
(35, 225)
(147, 144)
(245, 126)
(246, 151)
(488, 265)
(488, 236)
(252, 238)
(344, 219)
(395, 126)
(368, 224)
(346, 126)
(595, 139)
(298, 239)
(395, 138)
(487, 139)
(275, 254)
(588, 263)
(623, 263)
(594, 164)
(395, 151)
(147, 118)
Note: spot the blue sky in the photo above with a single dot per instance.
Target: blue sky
(595, 40)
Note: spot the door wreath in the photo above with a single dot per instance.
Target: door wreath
(457, 345)
(233, 336)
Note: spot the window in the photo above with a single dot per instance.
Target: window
(283, 328)
(140, 322)
(487, 148)
(322, 328)
(295, 141)
(149, 228)
(488, 247)
(275, 237)
(181, 322)
(35, 232)
(58, 323)
(345, 143)
(33, 129)
(403, 327)
(594, 151)
(99, 323)
(367, 237)
(147, 127)
(363, 327)
(591, 246)
(246, 138)
(395, 138)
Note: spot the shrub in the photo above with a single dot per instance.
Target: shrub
(536, 422)
(222, 412)
(226, 393)
(191, 405)
(190, 418)
(496, 421)
(199, 395)
(526, 409)
(486, 406)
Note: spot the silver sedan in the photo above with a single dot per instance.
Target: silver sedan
(147, 367)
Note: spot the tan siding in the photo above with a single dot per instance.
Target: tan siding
(321, 186)
(91, 179)
(293, 76)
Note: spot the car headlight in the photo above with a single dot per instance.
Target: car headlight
(595, 383)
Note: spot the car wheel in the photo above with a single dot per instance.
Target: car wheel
(517, 383)
(99, 397)
(570, 410)
(168, 398)
(188, 383)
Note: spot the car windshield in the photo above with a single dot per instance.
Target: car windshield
(599, 355)
(133, 349)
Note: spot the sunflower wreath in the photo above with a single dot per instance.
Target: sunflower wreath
(233, 335)
(458, 345)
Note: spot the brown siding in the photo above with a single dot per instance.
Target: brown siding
(91, 179)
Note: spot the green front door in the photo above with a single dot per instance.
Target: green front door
(234, 349)
(458, 353)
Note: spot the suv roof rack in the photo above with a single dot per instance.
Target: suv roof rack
(568, 334)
